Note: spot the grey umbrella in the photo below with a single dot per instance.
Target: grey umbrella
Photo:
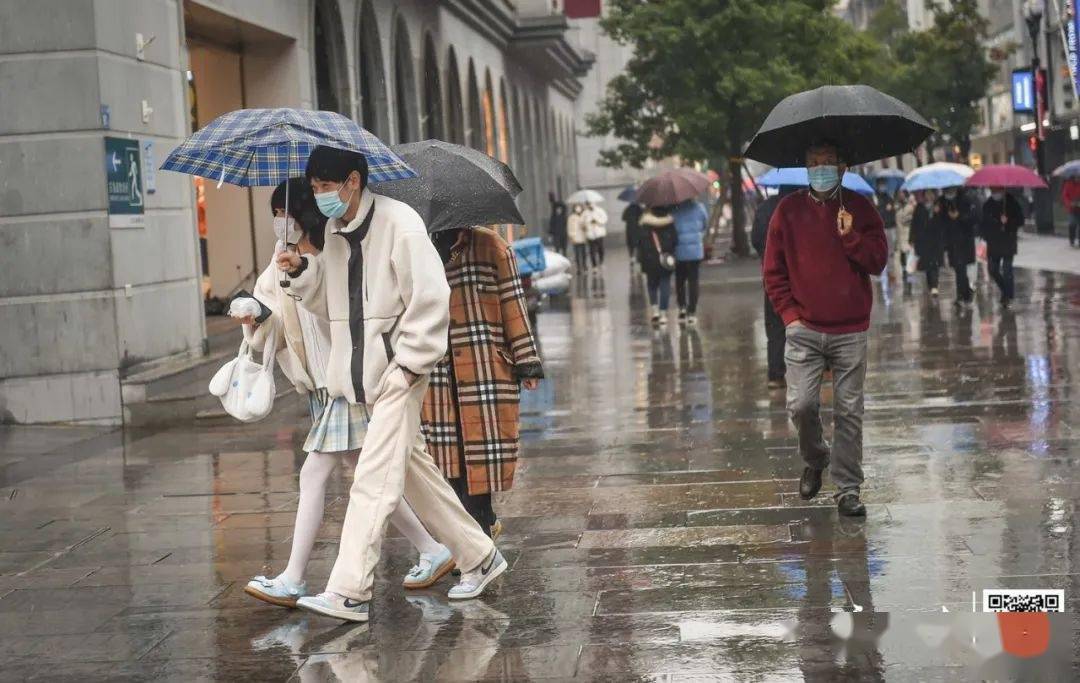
(455, 187)
(866, 123)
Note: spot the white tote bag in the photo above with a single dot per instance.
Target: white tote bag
(246, 388)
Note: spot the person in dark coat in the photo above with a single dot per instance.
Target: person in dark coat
(631, 216)
(927, 240)
(557, 224)
(1002, 217)
(956, 216)
(658, 239)
(774, 325)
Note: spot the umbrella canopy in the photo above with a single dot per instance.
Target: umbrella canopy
(585, 197)
(1068, 170)
(266, 146)
(1005, 175)
(799, 177)
(672, 187)
(888, 173)
(457, 186)
(938, 175)
(628, 194)
(867, 123)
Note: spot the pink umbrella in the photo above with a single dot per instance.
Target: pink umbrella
(1005, 175)
(672, 187)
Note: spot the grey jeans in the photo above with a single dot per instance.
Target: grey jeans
(806, 353)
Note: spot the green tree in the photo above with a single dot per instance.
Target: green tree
(705, 73)
(945, 71)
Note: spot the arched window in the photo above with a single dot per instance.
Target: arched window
(404, 84)
(331, 81)
(433, 115)
(455, 106)
(504, 125)
(488, 109)
(373, 104)
(475, 130)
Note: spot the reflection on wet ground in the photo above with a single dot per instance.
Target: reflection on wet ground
(654, 531)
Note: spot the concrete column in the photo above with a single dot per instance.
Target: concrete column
(80, 300)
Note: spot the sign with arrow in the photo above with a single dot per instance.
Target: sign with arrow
(124, 181)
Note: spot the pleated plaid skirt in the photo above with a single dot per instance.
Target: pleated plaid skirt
(336, 425)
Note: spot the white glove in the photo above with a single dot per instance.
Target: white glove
(244, 307)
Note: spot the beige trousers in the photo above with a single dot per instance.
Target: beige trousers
(394, 461)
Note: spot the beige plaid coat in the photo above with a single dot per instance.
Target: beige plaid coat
(472, 403)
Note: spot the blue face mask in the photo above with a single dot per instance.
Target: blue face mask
(330, 203)
(824, 178)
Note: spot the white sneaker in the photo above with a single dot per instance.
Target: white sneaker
(276, 591)
(429, 569)
(691, 320)
(474, 582)
(330, 604)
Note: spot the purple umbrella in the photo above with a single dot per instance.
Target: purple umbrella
(672, 187)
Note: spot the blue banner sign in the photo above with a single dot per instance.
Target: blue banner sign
(1023, 92)
(1071, 26)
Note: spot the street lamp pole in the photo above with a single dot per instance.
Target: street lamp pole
(1044, 217)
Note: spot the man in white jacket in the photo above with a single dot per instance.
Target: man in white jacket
(382, 287)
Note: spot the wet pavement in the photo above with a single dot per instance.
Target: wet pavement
(654, 531)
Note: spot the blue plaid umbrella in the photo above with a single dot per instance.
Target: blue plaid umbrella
(266, 146)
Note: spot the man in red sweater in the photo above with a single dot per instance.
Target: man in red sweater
(823, 247)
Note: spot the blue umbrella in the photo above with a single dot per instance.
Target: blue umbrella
(266, 146)
(798, 177)
(892, 177)
(1069, 170)
(629, 194)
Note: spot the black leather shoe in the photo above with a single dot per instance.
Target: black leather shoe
(810, 483)
(849, 505)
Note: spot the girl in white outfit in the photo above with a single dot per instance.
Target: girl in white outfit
(338, 427)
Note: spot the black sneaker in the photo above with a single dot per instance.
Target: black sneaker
(810, 483)
(849, 505)
(682, 316)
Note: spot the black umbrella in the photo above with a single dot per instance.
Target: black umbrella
(866, 123)
(455, 187)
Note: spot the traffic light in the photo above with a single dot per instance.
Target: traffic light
(1033, 143)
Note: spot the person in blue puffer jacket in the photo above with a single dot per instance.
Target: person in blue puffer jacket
(691, 222)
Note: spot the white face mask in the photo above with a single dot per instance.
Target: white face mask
(285, 229)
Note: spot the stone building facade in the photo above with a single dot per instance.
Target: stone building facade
(86, 299)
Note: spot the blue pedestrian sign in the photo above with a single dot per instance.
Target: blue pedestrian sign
(123, 175)
(1023, 92)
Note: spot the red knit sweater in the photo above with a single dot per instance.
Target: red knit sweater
(813, 274)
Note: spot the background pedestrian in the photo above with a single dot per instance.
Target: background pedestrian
(631, 217)
(956, 217)
(905, 214)
(595, 231)
(774, 326)
(657, 249)
(575, 232)
(691, 222)
(557, 224)
(1070, 197)
(927, 239)
(1002, 218)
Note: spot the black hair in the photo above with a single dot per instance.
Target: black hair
(330, 163)
(841, 155)
(302, 208)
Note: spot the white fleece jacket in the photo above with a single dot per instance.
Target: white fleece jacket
(406, 300)
(285, 323)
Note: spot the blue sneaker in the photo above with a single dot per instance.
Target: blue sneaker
(474, 582)
(331, 604)
(276, 591)
(429, 569)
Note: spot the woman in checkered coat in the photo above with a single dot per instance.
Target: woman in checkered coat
(470, 414)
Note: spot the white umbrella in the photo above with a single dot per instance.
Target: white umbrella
(961, 169)
(585, 197)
